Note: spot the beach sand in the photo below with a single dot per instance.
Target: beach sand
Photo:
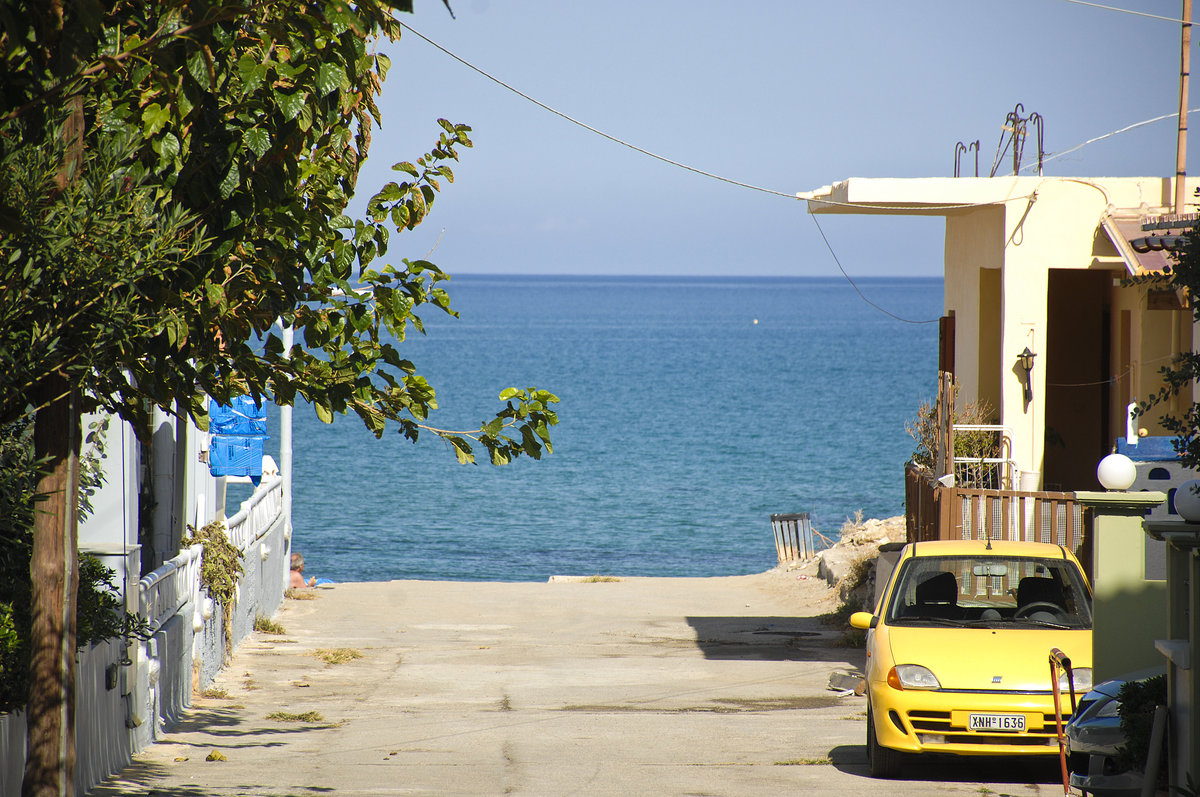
(713, 686)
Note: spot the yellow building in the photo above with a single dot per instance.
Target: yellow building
(1041, 264)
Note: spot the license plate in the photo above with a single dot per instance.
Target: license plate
(997, 722)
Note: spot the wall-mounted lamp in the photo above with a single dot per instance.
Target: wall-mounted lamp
(1025, 362)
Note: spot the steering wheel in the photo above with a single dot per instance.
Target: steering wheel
(1030, 608)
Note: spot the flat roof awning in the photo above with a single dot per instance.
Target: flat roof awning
(917, 196)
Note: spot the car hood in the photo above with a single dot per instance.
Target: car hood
(989, 659)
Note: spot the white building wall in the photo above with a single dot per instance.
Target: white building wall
(122, 708)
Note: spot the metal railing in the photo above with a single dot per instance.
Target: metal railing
(793, 537)
(257, 514)
(163, 592)
(995, 472)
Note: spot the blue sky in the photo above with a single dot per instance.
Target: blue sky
(786, 95)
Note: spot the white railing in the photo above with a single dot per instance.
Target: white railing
(165, 591)
(996, 473)
(258, 513)
(992, 473)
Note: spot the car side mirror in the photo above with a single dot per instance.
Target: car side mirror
(863, 620)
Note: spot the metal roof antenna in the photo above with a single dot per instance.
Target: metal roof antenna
(1013, 133)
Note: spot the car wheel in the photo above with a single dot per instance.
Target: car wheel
(882, 762)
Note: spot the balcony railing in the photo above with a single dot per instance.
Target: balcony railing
(257, 514)
(997, 471)
(163, 592)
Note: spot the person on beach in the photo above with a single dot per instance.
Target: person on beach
(298, 573)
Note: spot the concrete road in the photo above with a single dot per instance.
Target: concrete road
(715, 686)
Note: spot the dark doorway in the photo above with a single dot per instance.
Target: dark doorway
(1077, 360)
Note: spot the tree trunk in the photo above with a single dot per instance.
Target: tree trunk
(54, 569)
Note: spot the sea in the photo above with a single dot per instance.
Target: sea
(691, 410)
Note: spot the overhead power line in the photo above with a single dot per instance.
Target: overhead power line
(728, 180)
(588, 127)
(1125, 129)
(773, 192)
(1127, 11)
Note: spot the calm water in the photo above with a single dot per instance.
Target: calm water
(692, 409)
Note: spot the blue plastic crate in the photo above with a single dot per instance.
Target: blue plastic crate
(242, 416)
(236, 455)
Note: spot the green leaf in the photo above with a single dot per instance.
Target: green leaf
(198, 65)
(230, 182)
(290, 103)
(324, 414)
(257, 140)
(389, 193)
(216, 294)
(331, 77)
(154, 118)
(252, 73)
(462, 450)
(177, 331)
(166, 147)
(529, 443)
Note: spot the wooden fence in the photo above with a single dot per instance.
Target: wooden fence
(937, 512)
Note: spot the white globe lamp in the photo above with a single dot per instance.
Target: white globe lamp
(1187, 501)
(1116, 472)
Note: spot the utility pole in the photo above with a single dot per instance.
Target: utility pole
(1185, 46)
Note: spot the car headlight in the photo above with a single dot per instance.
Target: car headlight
(1083, 680)
(1108, 708)
(912, 676)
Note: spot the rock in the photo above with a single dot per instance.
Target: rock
(848, 565)
(858, 541)
(834, 564)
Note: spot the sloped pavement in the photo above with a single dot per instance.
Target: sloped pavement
(715, 686)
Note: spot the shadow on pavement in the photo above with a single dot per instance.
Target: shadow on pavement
(767, 639)
(852, 760)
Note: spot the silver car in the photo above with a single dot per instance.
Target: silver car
(1093, 736)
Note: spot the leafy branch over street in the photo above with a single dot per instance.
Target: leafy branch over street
(173, 183)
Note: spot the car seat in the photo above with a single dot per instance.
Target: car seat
(937, 596)
(1040, 589)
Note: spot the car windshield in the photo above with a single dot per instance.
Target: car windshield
(990, 591)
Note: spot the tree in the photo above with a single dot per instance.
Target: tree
(1184, 371)
(173, 177)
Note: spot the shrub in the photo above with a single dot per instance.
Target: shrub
(924, 431)
(99, 611)
(1138, 701)
(220, 570)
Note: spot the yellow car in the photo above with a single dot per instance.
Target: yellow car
(958, 650)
